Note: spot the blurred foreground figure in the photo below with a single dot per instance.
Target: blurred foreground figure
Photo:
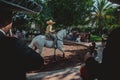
(16, 57)
(109, 68)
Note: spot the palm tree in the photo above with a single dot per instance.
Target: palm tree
(118, 11)
(101, 13)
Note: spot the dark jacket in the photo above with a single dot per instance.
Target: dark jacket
(111, 59)
(16, 58)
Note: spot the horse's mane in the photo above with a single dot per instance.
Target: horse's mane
(60, 34)
(60, 31)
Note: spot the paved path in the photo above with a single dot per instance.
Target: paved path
(72, 73)
(63, 74)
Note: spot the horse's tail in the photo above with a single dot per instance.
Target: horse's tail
(31, 45)
(37, 41)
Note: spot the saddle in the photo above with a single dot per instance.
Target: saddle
(53, 38)
(50, 37)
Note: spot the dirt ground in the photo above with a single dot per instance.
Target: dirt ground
(73, 57)
(63, 69)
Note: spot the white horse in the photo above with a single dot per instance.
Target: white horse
(40, 41)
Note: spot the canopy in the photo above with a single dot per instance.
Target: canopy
(28, 6)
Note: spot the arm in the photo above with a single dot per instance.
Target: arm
(50, 29)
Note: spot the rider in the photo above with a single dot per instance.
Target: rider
(51, 33)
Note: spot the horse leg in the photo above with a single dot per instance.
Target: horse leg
(63, 54)
(62, 50)
(55, 58)
(40, 48)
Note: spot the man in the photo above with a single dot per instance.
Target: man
(50, 34)
(16, 57)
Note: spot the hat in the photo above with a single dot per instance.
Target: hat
(50, 22)
(28, 6)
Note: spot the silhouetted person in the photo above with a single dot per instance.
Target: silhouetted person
(110, 63)
(109, 68)
(16, 58)
(90, 70)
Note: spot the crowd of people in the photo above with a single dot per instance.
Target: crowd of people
(78, 36)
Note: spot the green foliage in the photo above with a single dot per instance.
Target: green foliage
(95, 38)
(113, 27)
(102, 14)
(69, 12)
(73, 12)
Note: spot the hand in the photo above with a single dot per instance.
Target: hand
(53, 30)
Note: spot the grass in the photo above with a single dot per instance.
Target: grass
(95, 38)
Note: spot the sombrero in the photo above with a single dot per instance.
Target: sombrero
(50, 22)
(27, 6)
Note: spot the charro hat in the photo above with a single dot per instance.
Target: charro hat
(28, 6)
(50, 22)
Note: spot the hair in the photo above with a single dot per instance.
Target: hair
(5, 17)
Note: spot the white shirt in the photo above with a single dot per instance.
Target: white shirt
(78, 40)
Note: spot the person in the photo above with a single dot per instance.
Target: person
(109, 68)
(78, 39)
(16, 57)
(92, 52)
(69, 36)
(92, 48)
(89, 70)
(104, 39)
(110, 62)
(50, 33)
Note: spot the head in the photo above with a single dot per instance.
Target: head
(5, 19)
(7, 6)
(64, 32)
(50, 22)
(93, 43)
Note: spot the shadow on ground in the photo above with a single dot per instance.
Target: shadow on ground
(75, 59)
